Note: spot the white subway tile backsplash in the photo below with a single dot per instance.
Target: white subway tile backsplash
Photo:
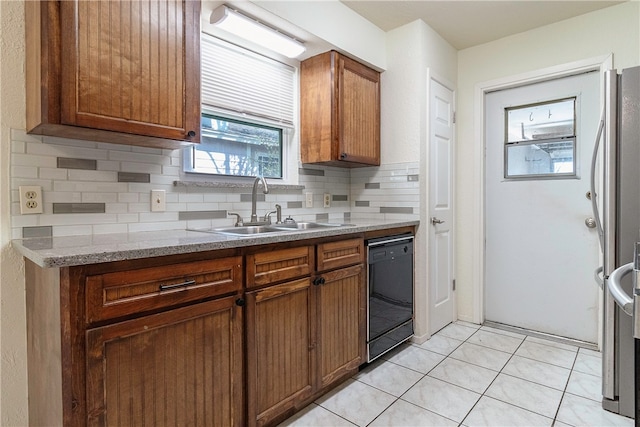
(110, 228)
(127, 204)
(71, 230)
(140, 167)
(128, 217)
(157, 226)
(18, 159)
(18, 147)
(20, 135)
(156, 159)
(53, 173)
(128, 197)
(24, 171)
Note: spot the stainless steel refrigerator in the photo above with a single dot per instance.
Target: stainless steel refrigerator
(620, 231)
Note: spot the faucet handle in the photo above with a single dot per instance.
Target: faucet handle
(278, 214)
(239, 222)
(267, 217)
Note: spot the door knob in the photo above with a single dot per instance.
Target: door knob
(590, 222)
(435, 220)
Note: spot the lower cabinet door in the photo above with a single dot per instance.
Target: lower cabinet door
(280, 356)
(342, 323)
(181, 367)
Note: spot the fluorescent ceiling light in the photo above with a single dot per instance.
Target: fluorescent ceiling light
(242, 26)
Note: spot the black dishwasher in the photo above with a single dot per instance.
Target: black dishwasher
(390, 293)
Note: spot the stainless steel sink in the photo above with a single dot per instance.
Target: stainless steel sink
(308, 225)
(243, 230)
(251, 230)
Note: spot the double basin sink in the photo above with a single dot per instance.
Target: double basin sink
(250, 230)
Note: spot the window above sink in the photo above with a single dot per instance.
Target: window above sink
(248, 116)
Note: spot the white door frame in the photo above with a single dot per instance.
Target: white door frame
(600, 63)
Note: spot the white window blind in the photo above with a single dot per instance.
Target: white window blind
(242, 82)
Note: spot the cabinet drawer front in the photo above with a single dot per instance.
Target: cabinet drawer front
(118, 294)
(339, 254)
(275, 266)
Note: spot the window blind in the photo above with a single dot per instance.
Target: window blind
(242, 82)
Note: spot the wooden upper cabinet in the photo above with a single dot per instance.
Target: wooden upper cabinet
(339, 112)
(115, 71)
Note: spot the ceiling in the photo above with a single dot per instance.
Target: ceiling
(466, 23)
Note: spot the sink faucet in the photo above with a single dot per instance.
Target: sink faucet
(254, 197)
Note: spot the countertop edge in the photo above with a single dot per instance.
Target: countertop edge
(57, 252)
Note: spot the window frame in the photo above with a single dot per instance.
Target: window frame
(189, 155)
(573, 138)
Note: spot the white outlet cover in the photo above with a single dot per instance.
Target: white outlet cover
(30, 199)
(158, 200)
(327, 200)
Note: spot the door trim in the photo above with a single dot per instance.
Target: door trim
(599, 63)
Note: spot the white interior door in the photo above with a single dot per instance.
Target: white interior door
(441, 157)
(540, 255)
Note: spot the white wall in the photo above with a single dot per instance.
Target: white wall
(13, 391)
(611, 30)
(412, 50)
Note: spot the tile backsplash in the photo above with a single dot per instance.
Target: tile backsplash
(97, 188)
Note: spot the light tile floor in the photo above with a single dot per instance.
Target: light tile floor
(467, 375)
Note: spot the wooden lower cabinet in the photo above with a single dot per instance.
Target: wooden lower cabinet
(303, 337)
(183, 340)
(280, 340)
(181, 367)
(342, 323)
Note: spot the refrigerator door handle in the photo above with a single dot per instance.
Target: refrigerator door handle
(614, 284)
(592, 182)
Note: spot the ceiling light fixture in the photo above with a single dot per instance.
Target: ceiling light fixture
(234, 22)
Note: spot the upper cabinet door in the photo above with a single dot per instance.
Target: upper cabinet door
(130, 68)
(339, 112)
(358, 112)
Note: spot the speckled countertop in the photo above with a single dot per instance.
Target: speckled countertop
(83, 250)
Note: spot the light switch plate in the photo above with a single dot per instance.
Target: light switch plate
(158, 200)
(308, 199)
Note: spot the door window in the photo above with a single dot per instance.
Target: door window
(540, 140)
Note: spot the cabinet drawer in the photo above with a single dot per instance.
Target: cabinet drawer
(339, 254)
(113, 295)
(270, 267)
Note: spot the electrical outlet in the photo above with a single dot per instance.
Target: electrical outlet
(327, 200)
(158, 200)
(30, 199)
(308, 200)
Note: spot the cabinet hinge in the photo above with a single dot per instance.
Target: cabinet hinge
(454, 285)
(454, 117)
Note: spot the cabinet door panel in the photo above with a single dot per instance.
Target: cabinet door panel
(279, 343)
(182, 367)
(125, 66)
(342, 328)
(359, 113)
